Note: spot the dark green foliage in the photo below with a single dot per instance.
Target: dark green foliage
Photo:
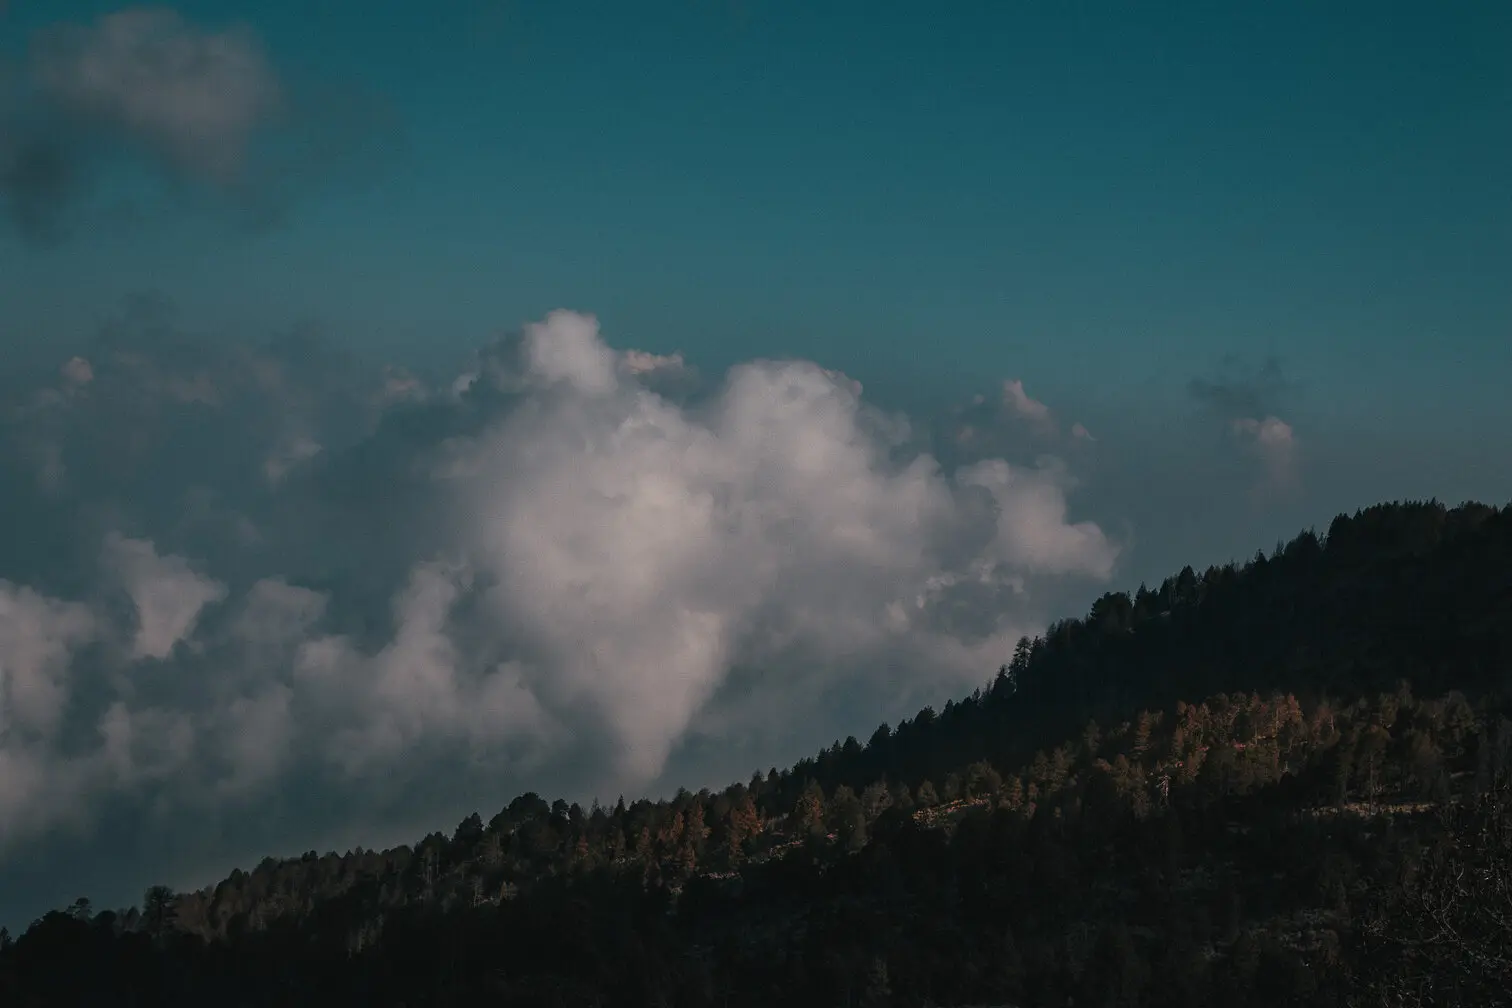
(1220, 791)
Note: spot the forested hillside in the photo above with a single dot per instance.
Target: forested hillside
(1282, 782)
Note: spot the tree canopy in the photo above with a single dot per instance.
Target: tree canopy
(1287, 781)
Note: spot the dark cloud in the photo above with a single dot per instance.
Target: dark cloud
(202, 108)
(1239, 391)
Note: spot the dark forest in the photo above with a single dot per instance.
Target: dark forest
(1281, 782)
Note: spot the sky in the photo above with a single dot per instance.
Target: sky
(404, 407)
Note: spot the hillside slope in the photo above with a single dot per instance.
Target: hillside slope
(1281, 782)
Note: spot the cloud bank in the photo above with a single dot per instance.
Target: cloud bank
(253, 579)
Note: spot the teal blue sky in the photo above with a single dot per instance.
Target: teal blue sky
(1250, 261)
(1102, 199)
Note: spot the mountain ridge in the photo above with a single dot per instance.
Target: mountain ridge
(1346, 693)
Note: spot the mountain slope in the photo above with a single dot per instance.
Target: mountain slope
(1250, 785)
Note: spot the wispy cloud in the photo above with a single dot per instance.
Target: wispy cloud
(1273, 440)
(1238, 391)
(194, 98)
(1245, 403)
(192, 103)
(1020, 402)
(1011, 422)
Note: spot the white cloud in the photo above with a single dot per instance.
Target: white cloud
(166, 592)
(1032, 533)
(418, 690)
(1019, 401)
(639, 550)
(566, 348)
(639, 362)
(554, 576)
(37, 638)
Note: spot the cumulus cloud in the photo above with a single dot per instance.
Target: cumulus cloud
(553, 575)
(1039, 538)
(566, 349)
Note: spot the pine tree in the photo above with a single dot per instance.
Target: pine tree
(158, 910)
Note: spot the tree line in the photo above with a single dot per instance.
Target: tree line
(1281, 782)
